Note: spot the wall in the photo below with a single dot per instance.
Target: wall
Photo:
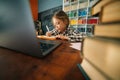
(46, 16)
(46, 9)
(34, 8)
(48, 4)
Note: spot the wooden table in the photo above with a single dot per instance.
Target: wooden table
(61, 64)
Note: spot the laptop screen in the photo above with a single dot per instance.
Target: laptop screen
(17, 29)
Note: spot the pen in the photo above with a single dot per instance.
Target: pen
(47, 28)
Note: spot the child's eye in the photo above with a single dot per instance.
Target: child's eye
(58, 22)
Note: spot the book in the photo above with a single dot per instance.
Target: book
(93, 2)
(107, 30)
(74, 6)
(93, 20)
(91, 71)
(101, 52)
(83, 4)
(67, 8)
(104, 54)
(46, 37)
(97, 8)
(111, 12)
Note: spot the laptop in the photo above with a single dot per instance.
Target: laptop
(17, 30)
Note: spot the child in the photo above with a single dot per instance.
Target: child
(62, 31)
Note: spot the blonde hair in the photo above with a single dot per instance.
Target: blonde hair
(62, 16)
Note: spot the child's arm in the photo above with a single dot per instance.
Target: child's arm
(62, 37)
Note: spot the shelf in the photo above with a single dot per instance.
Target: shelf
(73, 17)
(83, 1)
(84, 16)
(83, 24)
(78, 11)
(74, 2)
(67, 5)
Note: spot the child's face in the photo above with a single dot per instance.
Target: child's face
(59, 24)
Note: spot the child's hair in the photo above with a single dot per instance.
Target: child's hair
(62, 16)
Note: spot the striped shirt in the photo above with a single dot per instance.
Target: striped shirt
(72, 34)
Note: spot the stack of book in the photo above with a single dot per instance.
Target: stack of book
(101, 53)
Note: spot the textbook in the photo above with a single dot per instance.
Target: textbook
(92, 72)
(101, 52)
(104, 54)
(111, 12)
(97, 8)
(107, 30)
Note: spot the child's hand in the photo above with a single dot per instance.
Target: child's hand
(62, 37)
(48, 33)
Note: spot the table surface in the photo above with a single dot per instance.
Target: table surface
(60, 64)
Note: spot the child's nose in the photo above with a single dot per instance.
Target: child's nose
(58, 26)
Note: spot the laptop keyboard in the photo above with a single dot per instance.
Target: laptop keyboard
(45, 46)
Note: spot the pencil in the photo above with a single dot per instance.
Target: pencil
(47, 28)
